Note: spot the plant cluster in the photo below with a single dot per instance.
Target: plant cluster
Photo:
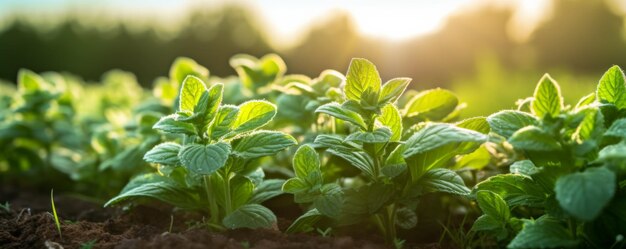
(372, 155)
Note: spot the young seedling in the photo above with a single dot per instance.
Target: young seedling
(215, 167)
(394, 172)
(54, 213)
(571, 172)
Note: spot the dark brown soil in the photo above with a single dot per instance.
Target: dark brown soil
(29, 224)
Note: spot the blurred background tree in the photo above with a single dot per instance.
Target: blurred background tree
(577, 40)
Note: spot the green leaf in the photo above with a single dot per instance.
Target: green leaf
(611, 87)
(478, 159)
(204, 159)
(210, 102)
(586, 100)
(493, 205)
(268, 189)
(543, 233)
(585, 194)
(390, 117)
(155, 188)
(534, 139)
(392, 90)
(165, 153)
(380, 135)
(183, 67)
(362, 75)
(28, 81)
(615, 153)
(358, 159)
(250, 216)
(253, 115)
(524, 167)
(305, 223)
(507, 122)
(305, 161)
(517, 190)
(617, 129)
(406, 218)
(170, 124)
(487, 223)
(295, 185)
(241, 191)
(444, 180)
(337, 111)
(592, 125)
(478, 124)
(435, 135)
(547, 98)
(433, 104)
(329, 203)
(361, 203)
(262, 143)
(190, 93)
(224, 119)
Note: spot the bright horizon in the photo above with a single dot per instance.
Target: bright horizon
(287, 21)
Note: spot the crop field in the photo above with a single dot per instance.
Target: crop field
(266, 159)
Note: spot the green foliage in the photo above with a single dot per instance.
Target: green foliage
(213, 168)
(570, 171)
(397, 160)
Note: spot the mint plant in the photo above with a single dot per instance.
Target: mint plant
(391, 173)
(215, 166)
(568, 189)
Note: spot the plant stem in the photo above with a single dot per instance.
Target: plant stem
(228, 205)
(213, 209)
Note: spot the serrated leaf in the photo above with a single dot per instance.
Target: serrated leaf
(543, 233)
(268, 189)
(305, 161)
(224, 119)
(585, 194)
(433, 104)
(547, 98)
(392, 90)
(534, 139)
(170, 124)
(586, 100)
(165, 153)
(380, 135)
(262, 143)
(517, 190)
(390, 117)
(362, 75)
(507, 122)
(204, 159)
(358, 159)
(209, 103)
(305, 223)
(611, 87)
(295, 185)
(190, 93)
(253, 115)
(591, 126)
(337, 111)
(250, 216)
(330, 201)
(444, 180)
(493, 205)
(241, 191)
(435, 135)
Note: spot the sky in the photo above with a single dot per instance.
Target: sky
(394, 20)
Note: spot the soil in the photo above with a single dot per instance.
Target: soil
(85, 224)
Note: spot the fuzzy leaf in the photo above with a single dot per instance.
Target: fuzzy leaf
(250, 216)
(305, 161)
(534, 139)
(611, 88)
(507, 122)
(190, 93)
(305, 223)
(390, 117)
(543, 233)
(493, 205)
(262, 143)
(204, 159)
(585, 194)
(547, 98)
(392, 90)
(362, 75)
(444, 180)
(169, 124)
(337, 111)
(253, 115)
(433, 104)
(165, 153)
(380, 135)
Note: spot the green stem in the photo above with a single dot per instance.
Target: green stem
(228, 205)
(213, 209)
